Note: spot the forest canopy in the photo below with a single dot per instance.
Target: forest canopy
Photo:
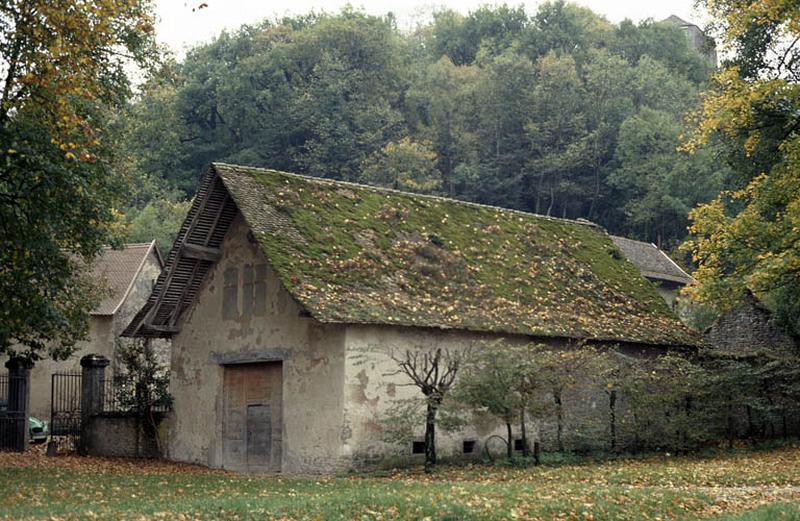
(558, 112)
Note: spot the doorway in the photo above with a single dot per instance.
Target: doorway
(252, 425)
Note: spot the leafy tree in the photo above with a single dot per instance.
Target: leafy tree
(63, 73)
(439, 105)
(567, 28)
(403, 165)
(659, 186)
(562, 371)
(143, 386)
(748, 236)
(153, 143)
(503, 108)
(557, 131)
(160, 220)
(491, 30)
(491, 382)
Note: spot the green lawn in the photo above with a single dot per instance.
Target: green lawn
(751, 486)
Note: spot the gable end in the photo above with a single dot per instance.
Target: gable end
(195, 250)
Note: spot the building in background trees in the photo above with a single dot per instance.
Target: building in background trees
(697, 38)
(655, 266)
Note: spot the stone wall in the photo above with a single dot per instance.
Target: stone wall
(121, 435)
(746, 328)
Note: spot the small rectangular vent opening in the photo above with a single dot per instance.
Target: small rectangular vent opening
(469, 446)
(418, 447)
(518, 445)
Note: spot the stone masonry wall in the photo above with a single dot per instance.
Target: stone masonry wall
(747, 328)
(120, 435)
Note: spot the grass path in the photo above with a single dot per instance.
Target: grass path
(656, 488)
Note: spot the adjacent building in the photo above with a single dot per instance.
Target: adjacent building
(747, 328)
(655, 266)
(127, 276)
(284, 296)
(697, 39)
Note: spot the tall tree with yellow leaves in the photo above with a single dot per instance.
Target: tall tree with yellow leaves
(749, 236)
(62, 75)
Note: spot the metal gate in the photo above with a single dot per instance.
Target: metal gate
(65, 409)
(13, 421)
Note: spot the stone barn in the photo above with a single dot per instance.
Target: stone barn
(278, 284)
(127, 276)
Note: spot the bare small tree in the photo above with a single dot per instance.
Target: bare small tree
(433, 373)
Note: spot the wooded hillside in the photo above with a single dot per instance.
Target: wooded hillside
(557, 112)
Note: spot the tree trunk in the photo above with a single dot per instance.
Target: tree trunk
(430, 436)
(510, 444)
(559, 420)
(536, 453)
(731, 432)
(783, 422)
(525, 449)
(612, 409)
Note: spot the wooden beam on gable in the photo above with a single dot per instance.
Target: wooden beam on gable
(162, 329)
(203, 194)
(196, 251)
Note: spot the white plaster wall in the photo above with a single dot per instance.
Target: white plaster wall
(101, 341)
(370, 390)
(313, 369)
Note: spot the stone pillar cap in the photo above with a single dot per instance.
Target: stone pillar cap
(19, 363)
(94, 360)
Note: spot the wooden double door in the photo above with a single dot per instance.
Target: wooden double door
(252, 428)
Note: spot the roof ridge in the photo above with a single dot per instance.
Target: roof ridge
(580, 220)
(129, 245)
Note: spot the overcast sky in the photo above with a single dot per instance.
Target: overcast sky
(180, 26)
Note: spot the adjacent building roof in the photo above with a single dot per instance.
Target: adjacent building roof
(651, 261)
(350, 253)
(677, 20)
(117, 270)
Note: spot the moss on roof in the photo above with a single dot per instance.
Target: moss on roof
(358, 254)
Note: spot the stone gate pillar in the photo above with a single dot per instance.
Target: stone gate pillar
(19, 401)
(92, 392)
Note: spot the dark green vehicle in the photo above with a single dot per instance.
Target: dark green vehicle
(38, 429)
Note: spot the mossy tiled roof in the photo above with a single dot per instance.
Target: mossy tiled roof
(356, 254)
